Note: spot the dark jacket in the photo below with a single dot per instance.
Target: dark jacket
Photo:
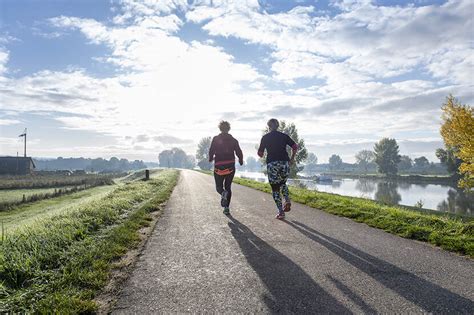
(275, 142)
(223, 149)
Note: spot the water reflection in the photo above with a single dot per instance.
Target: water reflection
(405, 185)
(457, 202)
(387, 192)
(437, 197)
(365, 186)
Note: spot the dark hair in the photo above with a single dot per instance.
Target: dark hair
(273, 124)
(224, 126)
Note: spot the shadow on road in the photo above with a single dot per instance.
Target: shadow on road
(429, 296)
(354, 297)
(291, 289)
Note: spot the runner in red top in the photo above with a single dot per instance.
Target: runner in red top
(223, 150)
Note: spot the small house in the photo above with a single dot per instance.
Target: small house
(16, 165)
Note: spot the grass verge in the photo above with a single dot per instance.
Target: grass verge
(450, 233)
(29, 213)
(58, 265)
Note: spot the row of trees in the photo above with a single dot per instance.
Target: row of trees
(385, 157)
(458, 155)
(87, 164)
(365, 162)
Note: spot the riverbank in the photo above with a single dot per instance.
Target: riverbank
(453, 233)
(60, 263)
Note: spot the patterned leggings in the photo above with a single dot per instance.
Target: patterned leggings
(278, 172)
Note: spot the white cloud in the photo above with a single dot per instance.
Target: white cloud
(173, 90)
(166, 83)
(7, 122)
(3, 60)
(371, 40)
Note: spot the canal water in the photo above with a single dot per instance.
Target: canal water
(432, 196)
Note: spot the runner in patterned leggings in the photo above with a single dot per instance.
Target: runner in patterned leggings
(278, 164)
(223, 149)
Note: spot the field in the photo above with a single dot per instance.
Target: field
(15, 195)
(48, 181)
(56, 254)
(18, 190)
(25, 214)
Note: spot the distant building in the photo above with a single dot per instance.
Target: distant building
(13, 165)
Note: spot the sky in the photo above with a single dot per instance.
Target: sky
(130, 78)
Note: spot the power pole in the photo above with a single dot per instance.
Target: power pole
(24, 135)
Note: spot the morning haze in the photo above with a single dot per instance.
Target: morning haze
(229, 143)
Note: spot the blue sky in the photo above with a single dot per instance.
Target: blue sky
(130, 78)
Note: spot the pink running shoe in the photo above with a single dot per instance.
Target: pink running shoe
(287, 207)
(280, 216)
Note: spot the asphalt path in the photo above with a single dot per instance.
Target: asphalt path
(201, 261)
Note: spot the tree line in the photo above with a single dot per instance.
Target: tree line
(457, 157)
(87, 164)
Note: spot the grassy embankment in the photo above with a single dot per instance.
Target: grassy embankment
(58, 264)
(449, 232)
(48, 181)
(19, 190)
(27, 214)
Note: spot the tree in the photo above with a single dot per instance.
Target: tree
(175, 157)
(335, 162)
(364, 158)
(387, 156)
(311, 163)
(405, 163)
(458, 133)
(180, 158)
(252, 164)
(448, 158)
(301, 155)
(138, 165)
(421, 162)
(166, 158)
(202, 153)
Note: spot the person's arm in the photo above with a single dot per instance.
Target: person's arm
(212, 151)
(294, 149)
(261, 148)
(238, 152)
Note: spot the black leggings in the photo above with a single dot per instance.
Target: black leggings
(224, 182)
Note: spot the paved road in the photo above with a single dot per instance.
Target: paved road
(198, 260)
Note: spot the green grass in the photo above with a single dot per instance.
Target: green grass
(448, 232)
(15, 195)
(55, 180)
(59, 264)
(140, 174)
(27, 214)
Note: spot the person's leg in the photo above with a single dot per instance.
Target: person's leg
(277, 196)
(228, 185)
(285, 192)
(219, 183)
(273, 179)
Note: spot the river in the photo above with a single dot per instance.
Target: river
(432, 196)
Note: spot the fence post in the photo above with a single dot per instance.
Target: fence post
(147, 174)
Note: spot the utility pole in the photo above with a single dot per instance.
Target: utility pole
(24, 135)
